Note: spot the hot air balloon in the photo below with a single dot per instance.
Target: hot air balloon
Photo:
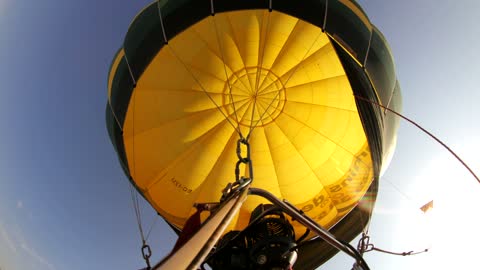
(296, 83)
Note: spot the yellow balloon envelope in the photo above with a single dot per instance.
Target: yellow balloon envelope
(195, 76)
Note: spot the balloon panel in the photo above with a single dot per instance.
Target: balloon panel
(261, 73)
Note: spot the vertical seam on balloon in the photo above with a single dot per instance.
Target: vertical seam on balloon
(219, 57)
(323, 135)
(293, 69)
(226, 74)
(134, 94)
(235, 43)
(273, 161)
(299, 153)
(260, 66)
(281, 51)
(321, 49)
(214, 130)
(291, 74)
(316, 131)
(310, 82)
(180, 157)
(230, 141)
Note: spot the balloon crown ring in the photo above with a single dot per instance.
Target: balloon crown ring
(254, 96)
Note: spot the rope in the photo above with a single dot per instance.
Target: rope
(203, 89)
(188, 69)
(325, 17)
(360, 262)
(130, 70)
(136, 208)
(146, 250)
(151, 227)
(225, 69)
(426, 132)
(409, 253)
(161, 22)
(364, 246)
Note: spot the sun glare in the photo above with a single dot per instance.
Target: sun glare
(454, 217)
(449, 229)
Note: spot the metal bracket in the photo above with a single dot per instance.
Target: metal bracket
(232, 188)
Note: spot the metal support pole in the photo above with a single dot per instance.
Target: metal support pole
(306, 221)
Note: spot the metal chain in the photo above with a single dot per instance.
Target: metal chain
(147, 253)
(245, 160)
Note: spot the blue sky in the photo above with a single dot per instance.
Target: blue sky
(65, 203)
